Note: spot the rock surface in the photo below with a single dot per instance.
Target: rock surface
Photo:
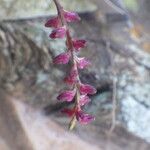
(27, 72)
(16, 9)
(27, 128)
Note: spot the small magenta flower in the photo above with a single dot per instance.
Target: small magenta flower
(84, 99)
(58, 33)
(72, 77)
(67, 95)
(71, 16)
(82, 62)
(53, 23)
(87, 89)
(78, 44)
(84, 118)
(69, 112)
(63, 58)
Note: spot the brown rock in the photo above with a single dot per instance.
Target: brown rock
(23, 128)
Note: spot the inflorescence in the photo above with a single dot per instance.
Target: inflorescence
(78, 92)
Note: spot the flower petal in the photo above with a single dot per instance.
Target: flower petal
(67, 95)
(58, 33)
(87, 89)
(71, 16)
(84, 118)
(82, 63)
(78, 44)
(53, 22)
(63, 58)
(84, 99)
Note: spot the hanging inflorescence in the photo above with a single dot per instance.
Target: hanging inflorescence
(78, 92)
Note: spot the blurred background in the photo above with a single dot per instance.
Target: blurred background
(118, 35)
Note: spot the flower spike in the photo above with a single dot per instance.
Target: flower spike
(78, 92)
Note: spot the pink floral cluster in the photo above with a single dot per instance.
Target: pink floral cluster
(78, 91)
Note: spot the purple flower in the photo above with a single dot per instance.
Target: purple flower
(84, 118)
(53, 22)
(71, 16)
(72, 77)
(63, 58)
(68, 112)
(82, 62)
(87, 89)
(67, 95)
(78, 44)
(84, 99)
(58, 33)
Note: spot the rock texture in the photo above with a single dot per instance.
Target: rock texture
(29, 111)
(15, 9)
(26, 128)
(29, 129)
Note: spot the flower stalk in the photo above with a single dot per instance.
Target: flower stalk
(78, 91)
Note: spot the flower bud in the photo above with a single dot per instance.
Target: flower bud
(72, 77)
(67, 95)
(84, 118)
(78, 44)
(58, 33)
(84, 99)
(82, 62)
(87, 89)
(62, 58)
(71, 16)
(53, 22)
(68, 112)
